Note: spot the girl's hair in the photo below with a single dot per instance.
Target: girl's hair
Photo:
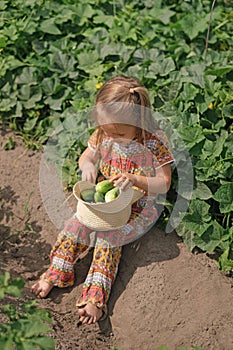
(124, 100)
(123, 89)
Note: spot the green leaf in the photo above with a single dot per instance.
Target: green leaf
(35, 96)
(6, 104)
(228, 111)
(194, 74)
(10, 64)
(51, 86)
(9, 144)
(85, 11)
(55, 101)
(191, 135)
(18, 282)
(187, 235)
(24, 92)
(198, 219)
(65, 14)
(3, 5)
(103, 18)
(39, 46)
(213, 237)
(3, 41)
(87, 59)
(224, 262)
(193, 25)
(224, 195)
(214, 148)
(189, 92)
(202, 191)
(2, 293)
(6, 279)
(30, 124)
(163, 14)
(28, 76)
(220, 71)
(48, 26)
(13, 290)
(62, 63)
(162, 68)
(6, 343)
(45, 343)
(35, 328)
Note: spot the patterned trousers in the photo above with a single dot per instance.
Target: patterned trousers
(73, 240)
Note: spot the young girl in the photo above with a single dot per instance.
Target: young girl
(129, 151)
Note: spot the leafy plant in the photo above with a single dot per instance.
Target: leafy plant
(9, 144)
(54, 59)
(25, 325)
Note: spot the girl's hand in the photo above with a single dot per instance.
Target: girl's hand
(87, 166)
(89, 172)
(124, 181)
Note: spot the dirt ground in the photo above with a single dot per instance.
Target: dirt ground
(163, 293)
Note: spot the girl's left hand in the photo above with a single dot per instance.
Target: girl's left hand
(124, 180)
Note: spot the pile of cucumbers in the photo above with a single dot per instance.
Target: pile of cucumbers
(103, 192)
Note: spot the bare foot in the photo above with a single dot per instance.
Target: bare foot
(41, 288)
(90, 314)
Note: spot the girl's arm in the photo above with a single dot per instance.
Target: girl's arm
(153, 185)
(87, 162)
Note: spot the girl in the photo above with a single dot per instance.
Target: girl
(129, 151)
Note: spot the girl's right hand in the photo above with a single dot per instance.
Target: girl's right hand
(89, 172)
(124, 180)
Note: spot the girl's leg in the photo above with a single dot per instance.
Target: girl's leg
(139, 223)
(106, 258)
(71, 242)
(99, 281)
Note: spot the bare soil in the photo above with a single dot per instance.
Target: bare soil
(163, 294)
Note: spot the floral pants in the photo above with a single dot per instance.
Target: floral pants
(73, 240)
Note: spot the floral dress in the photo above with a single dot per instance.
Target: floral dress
(115, 157)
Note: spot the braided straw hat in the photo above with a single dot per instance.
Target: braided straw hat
(105, 216)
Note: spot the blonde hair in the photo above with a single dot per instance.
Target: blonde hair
(123, 89)
(125, 98)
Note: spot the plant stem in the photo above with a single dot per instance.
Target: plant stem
(208, 31)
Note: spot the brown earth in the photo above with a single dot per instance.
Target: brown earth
(163, 293)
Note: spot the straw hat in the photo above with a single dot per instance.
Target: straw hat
(105, 216)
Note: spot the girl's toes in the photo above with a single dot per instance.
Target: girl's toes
(41, 289)
(41, 294)
(81, 312)
(90, 314)
(33, 288)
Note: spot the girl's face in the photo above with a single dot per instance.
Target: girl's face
(120, 132)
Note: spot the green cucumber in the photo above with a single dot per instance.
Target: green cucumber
(88, 195)
(99, 197)
(112, 194)
(104, 186)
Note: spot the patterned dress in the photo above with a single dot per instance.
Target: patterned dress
(115, 157)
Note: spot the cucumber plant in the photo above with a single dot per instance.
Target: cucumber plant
(25, 326)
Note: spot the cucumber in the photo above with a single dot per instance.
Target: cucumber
(112, 194)
(104, 186)
(88, 195)
(99, 197)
